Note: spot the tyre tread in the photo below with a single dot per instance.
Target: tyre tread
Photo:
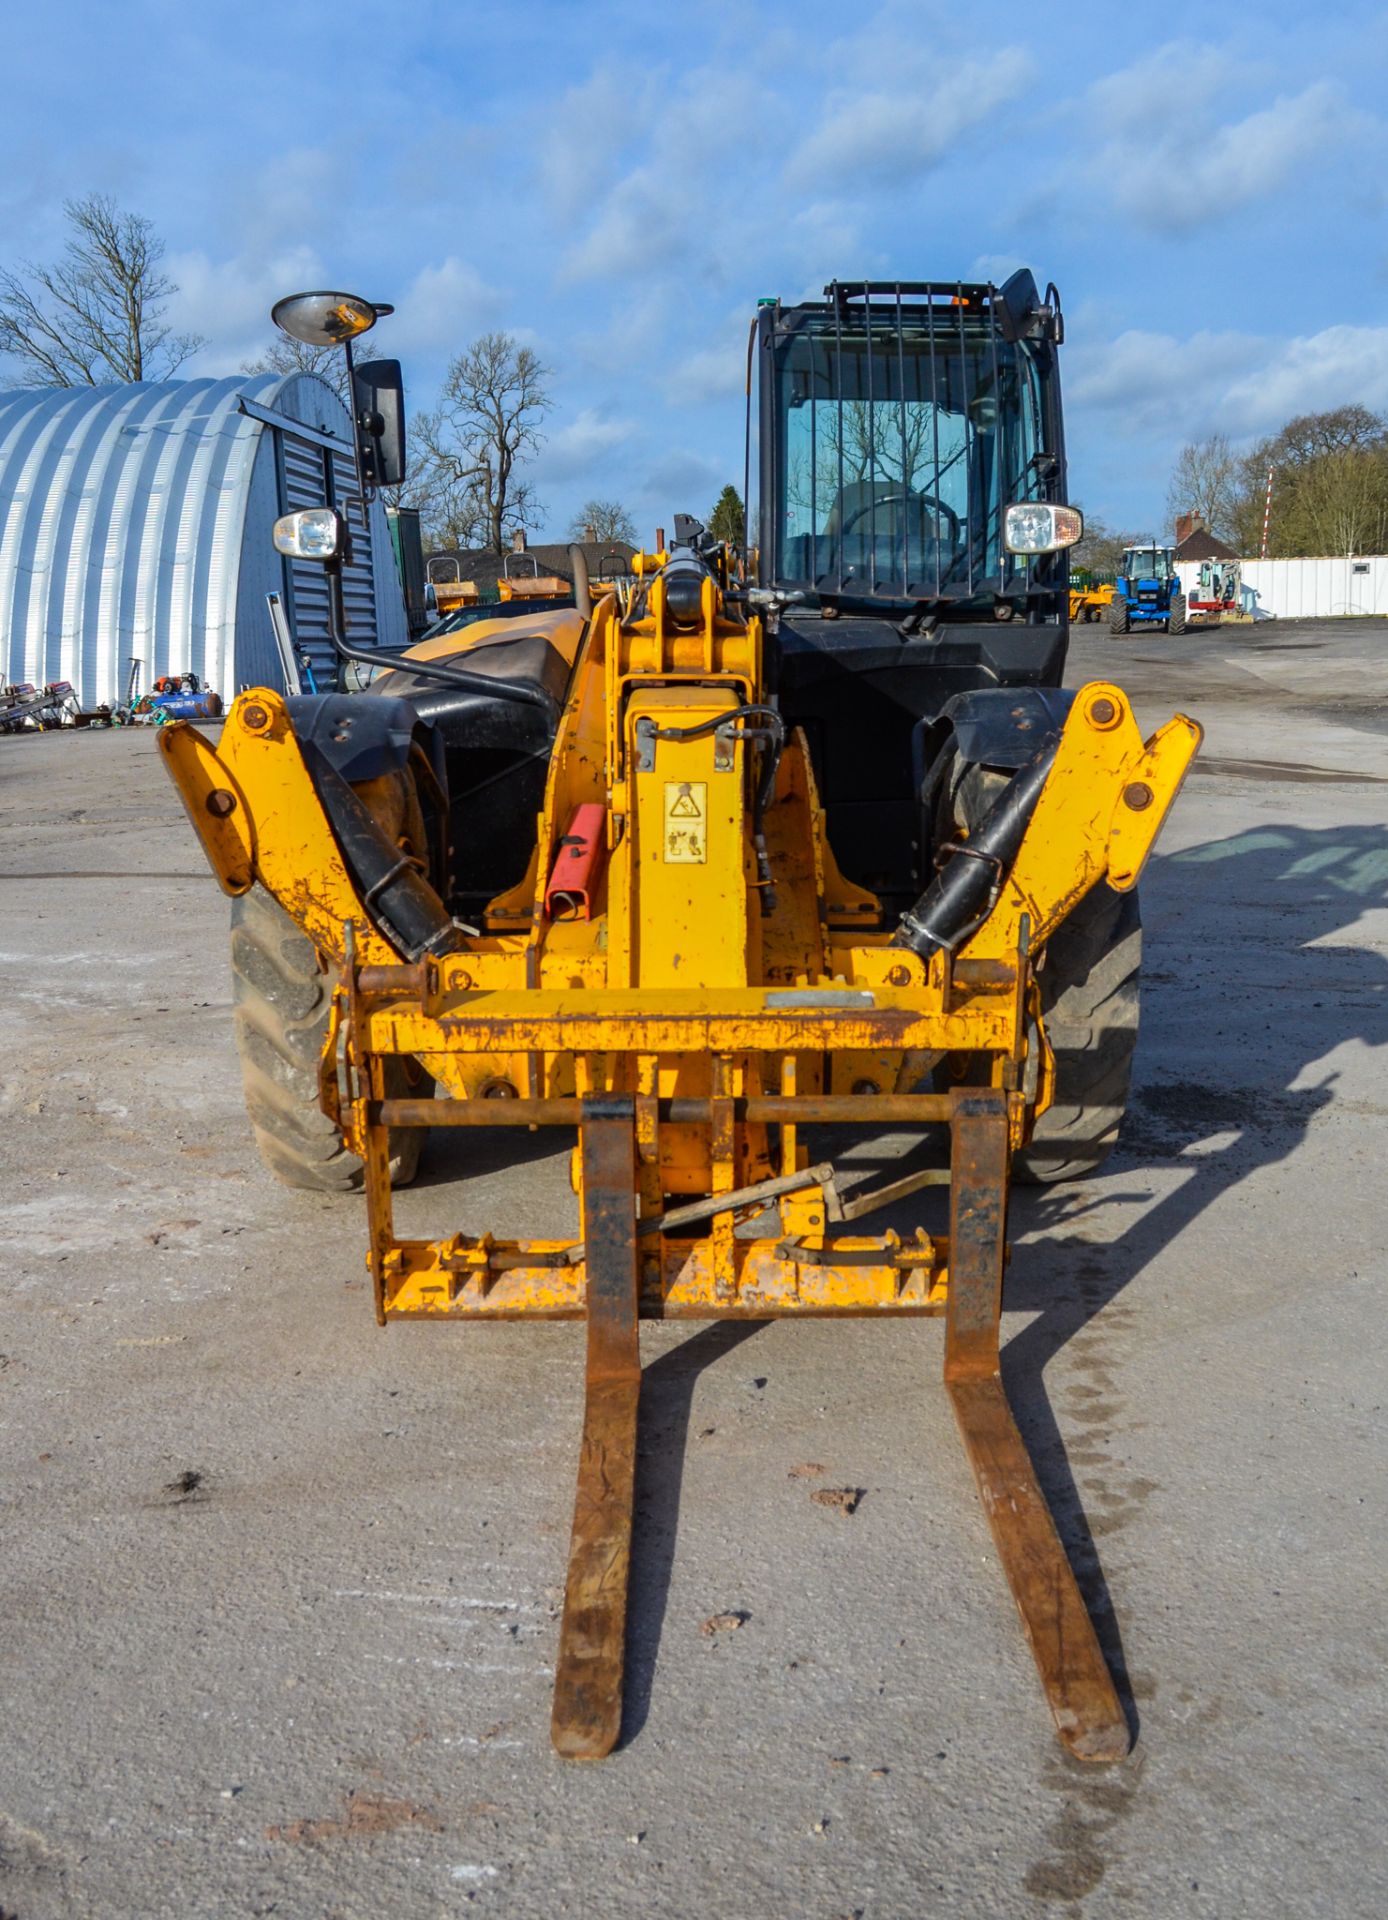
(281, 1000)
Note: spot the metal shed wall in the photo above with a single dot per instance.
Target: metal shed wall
(135, 521)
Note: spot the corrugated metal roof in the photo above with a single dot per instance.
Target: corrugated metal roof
(123, 527)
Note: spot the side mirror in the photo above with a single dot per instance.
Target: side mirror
(378, 409)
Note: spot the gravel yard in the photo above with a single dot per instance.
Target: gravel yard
(280, 1591)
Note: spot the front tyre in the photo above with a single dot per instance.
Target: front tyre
(1176, 614)
(281, 1000)
(1089, 987)
(1118, 620)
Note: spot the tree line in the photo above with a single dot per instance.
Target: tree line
(97, 315)
(1329, 486)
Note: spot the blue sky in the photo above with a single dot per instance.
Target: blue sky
(1206, 185)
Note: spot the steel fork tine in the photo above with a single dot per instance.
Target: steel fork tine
(587, 1718)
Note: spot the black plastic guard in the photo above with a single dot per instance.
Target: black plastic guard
(346, 740)
(1005, 726)
(361, 739)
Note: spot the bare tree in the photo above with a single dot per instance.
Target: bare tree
(96, 314)
(1100, 548)
(486, 423)
(1339, 430)
(284, 355)
(604, 520)
(452, 511)
(1208, 479)
(1330, 484)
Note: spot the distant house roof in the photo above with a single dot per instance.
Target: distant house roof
(1201, 545)
(485, 567)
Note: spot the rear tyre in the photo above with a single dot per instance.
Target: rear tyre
(1090, 1003)
(281, 1001)
(1118, 621)
(1176, 614)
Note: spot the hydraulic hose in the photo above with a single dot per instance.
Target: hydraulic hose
(400, 900)
(961, 895)
(767, 725)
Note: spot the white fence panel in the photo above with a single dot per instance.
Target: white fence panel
(1319, 589)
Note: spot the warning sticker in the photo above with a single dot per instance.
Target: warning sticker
(686, 823)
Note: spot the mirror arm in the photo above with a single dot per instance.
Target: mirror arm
(367, 493)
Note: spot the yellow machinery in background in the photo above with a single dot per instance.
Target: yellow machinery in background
(450, 594)
(533, 585)
(1089, 602)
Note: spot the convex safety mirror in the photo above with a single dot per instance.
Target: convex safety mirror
(326, 319)
(313, 533)
(1032, 526)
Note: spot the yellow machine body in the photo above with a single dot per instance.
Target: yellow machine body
(719, 997)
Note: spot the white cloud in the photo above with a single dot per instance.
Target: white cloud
(674, 200)
(1169, 158)
(294, 193)
(996, 267)
(648, 312)
(873, 134)
(823, 242)
(580, 150)
(1150, 378)
(1310, 374)
(229, 301)
(442, 307)
(685, 482)
(714, 372)
(1234, 383)
(582, 445)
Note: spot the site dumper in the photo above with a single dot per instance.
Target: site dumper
(684, 959)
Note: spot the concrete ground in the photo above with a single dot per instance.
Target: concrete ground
(278, 1591)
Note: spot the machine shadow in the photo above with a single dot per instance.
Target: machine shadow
(1233, 919)
(1239, 920)
(471, 1153)
(1269, 895)
(667, 1399)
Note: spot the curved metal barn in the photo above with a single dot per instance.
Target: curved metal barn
(135, 523)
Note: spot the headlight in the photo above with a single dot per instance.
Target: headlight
(1032, 527)
(311, 534)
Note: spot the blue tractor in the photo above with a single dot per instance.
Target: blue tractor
(1147, 592)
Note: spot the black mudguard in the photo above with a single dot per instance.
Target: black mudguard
(361, 739)
(346, 740)
(1004, 726)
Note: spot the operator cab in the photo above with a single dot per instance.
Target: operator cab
(1148, 563)
(898, 425)
(902, 427)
